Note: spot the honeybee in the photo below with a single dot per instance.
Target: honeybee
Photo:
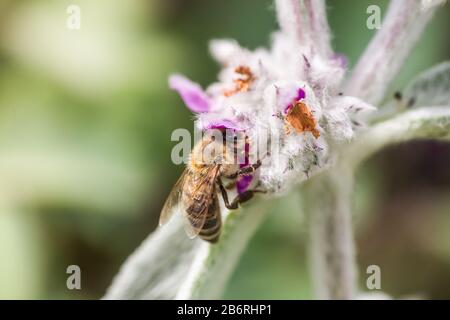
(196, 191)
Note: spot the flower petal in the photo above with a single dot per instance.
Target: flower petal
(301, 94)
(220, 124)
(243, 183)
(192, 94)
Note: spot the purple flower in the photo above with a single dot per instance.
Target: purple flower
(222, 124)
(192, 94)
(300, 96)
(198, 101)
(243, 183)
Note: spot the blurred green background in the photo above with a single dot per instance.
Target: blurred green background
(85, 125)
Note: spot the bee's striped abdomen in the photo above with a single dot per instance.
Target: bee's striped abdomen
(201, 203)
(211, 229)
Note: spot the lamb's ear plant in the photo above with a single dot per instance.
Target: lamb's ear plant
(326, 120)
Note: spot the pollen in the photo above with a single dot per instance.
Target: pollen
(301, 119)
(243, 83)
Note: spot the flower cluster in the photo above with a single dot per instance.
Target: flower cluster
(288, 95)
(292, 99)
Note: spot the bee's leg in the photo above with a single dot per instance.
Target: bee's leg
(225, 197)
(240, 198)
(247, 170)
(244, 197)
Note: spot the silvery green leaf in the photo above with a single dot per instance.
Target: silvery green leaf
(430, 88)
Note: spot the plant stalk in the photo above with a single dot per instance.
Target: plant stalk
(332, 249)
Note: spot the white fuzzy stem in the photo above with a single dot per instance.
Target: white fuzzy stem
(293, 22)
(157, 267)
(170, 266)
(214, 264)
(404, 22)
(421, 123)
(320, 31)
(305, 22)
(329, 199)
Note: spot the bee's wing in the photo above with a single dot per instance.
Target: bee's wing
(173, 200)
(194, 224)
(203, 192)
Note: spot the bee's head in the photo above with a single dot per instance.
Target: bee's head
(219, 147)
(214, 153)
